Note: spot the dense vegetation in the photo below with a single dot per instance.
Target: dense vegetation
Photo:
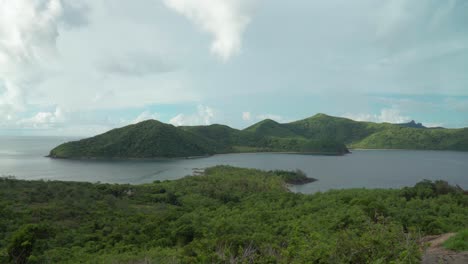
(228, 215)
(380, 136)
(143, 140)
(318, 134)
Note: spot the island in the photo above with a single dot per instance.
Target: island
(319, 134)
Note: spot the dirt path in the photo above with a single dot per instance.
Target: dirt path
(436, 254)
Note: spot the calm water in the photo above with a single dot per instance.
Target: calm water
(24, 158)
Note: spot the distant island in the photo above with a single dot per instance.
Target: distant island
(319, 134)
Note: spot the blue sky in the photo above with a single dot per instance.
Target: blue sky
(83, 67)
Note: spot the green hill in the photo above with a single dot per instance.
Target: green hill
(147, 139)
(341, 129)
(153, 139)
(370, 135)
(416, 138)
(223, 135)
(317, 134)
(272, 128)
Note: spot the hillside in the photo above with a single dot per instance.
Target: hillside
(370, 135)
(272, 128)
(228, 215)
(412, 124)
(317, 134)
(416, 138)
(153, 139)
(147, 139)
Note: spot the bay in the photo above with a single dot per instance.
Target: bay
(24, 158)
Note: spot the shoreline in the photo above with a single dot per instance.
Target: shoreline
(196, 157)
(399, 149)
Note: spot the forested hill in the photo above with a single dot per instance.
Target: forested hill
(318, 134)
(227, 215)
(153, 139)
(369, 135)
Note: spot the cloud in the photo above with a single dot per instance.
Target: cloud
(28, 35)
(136, 64)
(246, 116)
(389, 115)
(145, 115)
(44, 119)
(75, 13)
(204, 116)
(402, 24)
(225, 20)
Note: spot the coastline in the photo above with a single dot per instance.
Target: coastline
(407, 149)
(197, 157)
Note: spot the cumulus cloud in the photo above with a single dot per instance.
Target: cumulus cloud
(44, 119)
(28, 34)
(145, 115)
(204, 116)
(389, 115)
(246, 116)
(225, 20)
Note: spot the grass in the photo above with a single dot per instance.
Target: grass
(458, 242)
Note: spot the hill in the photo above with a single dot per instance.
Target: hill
(317, 134)
(416, 138)
(227, 215)
(412, 124)
(272, 128)
(370, 135)
(147, 139)
(153, 139)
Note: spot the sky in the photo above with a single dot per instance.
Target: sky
(82, 67)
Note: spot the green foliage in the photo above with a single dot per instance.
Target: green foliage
(226, 215)
(319, 134)
(458, 242)
(147, 139)
(416, 138)
(369, 135)
(293, 177)
(23, 241)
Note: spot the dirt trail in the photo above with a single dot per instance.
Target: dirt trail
(436, 254)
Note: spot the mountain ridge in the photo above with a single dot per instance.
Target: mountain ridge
(318, 134)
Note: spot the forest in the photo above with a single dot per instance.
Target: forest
(319, 134)
(226, 215)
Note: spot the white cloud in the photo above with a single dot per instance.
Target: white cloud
(389, 115)
(246, 116)
(28, 35)
(204, 116)
(44, 119)
(145, 116)
(225, 20)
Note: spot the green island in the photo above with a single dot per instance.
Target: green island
(225, 215)
(319, 134)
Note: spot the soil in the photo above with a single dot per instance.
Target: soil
(435, 253)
